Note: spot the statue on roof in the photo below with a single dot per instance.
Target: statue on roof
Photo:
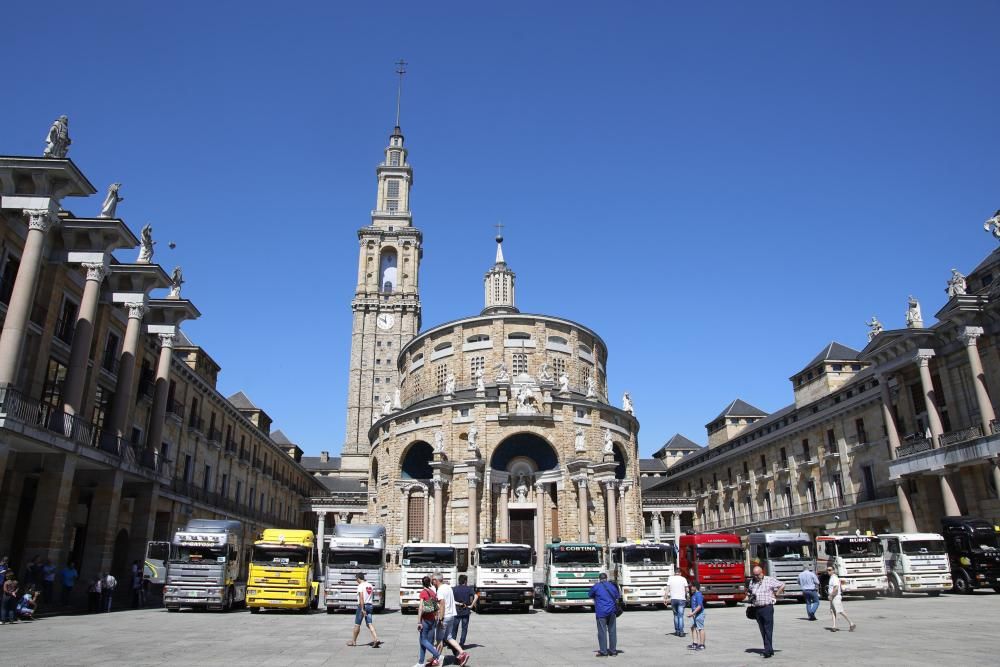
(502, 374)
(914, 319)
(387, 406)
(563, 383)
(57, 142)
(591, 387)
(439, 442)
(111, 201)
(176, 280)
(473, 436)
(993, 223)
(545, 375)
(480, 382)
(956, 284)
(526, 404)
(449, 384)
(580, 441)
(627, 404)
(396, 403)
(146, 244)
(609, 443)
(874, 328)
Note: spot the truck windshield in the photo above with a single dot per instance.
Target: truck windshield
(789, 551)
(419, 556)
(201, 554)
(158, 551)
(505, 557)
(280, 556)
(576, 556)
(651, 555)
(984, 540)
(858, 547)
(922, 546)
(720, 553)
(354, 557)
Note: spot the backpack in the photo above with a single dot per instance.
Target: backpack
(430, 605)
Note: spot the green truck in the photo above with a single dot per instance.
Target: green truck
(570, 570)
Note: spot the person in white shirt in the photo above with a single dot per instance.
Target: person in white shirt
(366, 595)
(108, 586)
(676, 596)
(836, 594)
(447, 612)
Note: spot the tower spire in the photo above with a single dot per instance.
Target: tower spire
(499, 240)
(499, 282)
(400, 70)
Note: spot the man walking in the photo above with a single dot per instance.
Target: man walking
(676, 596)
(365, 593)
(108, 586)
(447, 612)
(697, 618)
(763, 594)
(605, 597)
(809, 583)
(836, 595)
(69, 576)
(465, 600)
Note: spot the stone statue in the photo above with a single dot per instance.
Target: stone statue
(521, 488)
(526, 401)
(580, 442)
(57, 142)
(502, 374)
(396, 404)
(449, 384)
(439, 442)
(387, 406)
(627, 404)
(994, 222)
(914, 320)
(480, 382)
(591, 387)
(874, 328)
(563, 383)
(609, 444)
(111, 201)
(956, 284)
(146, 244)
(176, 280)
(473, 436)
(545, 375)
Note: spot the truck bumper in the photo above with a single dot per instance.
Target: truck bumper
(499, 598)
(642, 594)
(180, 597)
(561, 596)
(348, 599)
(277, 598)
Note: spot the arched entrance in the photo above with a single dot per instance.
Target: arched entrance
(524, 467)
(416, 465)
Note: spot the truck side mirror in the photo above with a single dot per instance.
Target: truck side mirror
(534, 559)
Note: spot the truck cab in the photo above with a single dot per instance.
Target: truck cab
(916, 563)
(641, 571)
(419, 560)
(355, 548)
(717, 561)
(281, 571)
(504, 576)
(856, 559)
(154, 568)
(570, 570)
(782, 555)
(207, 568)
(974, 552)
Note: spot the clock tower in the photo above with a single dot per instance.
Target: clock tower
(386, 302)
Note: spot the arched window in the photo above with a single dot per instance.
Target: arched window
(558, 340)
(387, 270)
(519, 335)
(478, 338)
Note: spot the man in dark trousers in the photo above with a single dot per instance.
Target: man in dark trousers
(764, 591)
(465, 600)
(605, 596)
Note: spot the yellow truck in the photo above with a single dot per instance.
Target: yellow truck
(281, 571)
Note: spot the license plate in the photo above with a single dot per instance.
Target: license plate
(191, 594)
(506, 602)
(726, 597)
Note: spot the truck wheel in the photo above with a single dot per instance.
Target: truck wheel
(730, 603)
(962, 584)
(330, 610)
(894, 590)
(869, 595)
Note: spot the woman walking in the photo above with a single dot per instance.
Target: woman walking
(427, 625)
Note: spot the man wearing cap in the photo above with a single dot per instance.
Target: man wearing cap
(605, 596)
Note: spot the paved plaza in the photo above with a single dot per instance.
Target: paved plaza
(912, 631)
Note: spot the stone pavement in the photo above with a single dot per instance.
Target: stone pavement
(913, 631)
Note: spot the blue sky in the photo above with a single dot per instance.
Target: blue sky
(718, 189)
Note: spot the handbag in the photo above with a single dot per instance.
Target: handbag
(619, 603)
(751, 611)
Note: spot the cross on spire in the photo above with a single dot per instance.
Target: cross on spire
(400, 70)
(499, 227)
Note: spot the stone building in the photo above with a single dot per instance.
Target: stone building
(665, 516)
(112, 431)
(495, 426)
(891, 437)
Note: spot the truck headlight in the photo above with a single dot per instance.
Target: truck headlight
(529, 594)
(300, 594)
(559, 592)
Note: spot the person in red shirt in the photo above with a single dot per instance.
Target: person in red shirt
(427, 625)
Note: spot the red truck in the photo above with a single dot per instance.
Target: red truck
(716, 561)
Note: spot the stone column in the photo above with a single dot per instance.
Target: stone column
(610, 511)
(657, 526)
(159, 411)
(888, 415)
(83, 336)
(986, 414)
(675, 521)
(908, 523)
(438, 510)
(122, 401)
(504, 517)
(584, 517)
(50, 515)
(473, 510)
(948, 499)
(103, 523)
(927, 385)
(622, 511)
(404, 513)
(23, 296)
(428, 515)
(147, 498)
(539, 518)
(995, 463)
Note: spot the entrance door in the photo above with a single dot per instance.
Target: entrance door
(522, 527)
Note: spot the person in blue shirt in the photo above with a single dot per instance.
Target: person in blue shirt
(697, 614)
(605, 596)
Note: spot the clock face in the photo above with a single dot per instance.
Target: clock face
(385, 321)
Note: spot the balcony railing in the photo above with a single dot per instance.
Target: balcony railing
(64, 330)
(110, 364)
(196, 423)
(175, 409)
(961, 435)
(914, 446)
(214, 435)
(881, 494)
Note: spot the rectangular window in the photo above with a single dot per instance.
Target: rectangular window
(392, 204)
(784, 458)
(392, 188)
(102, 401)
(55, 377)
(393, 158)
(859, 426)
(7, 278)
(239, 490)
(520, 363)
(109, 362)
(476, 364)
(441, 377)
(831, 440)
(805, 449)
(207, 484)
(225, 483)
(67, 320)
(187, 468)
(763, 463)
(559, 366)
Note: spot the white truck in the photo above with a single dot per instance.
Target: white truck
(916, 563)
(641, 571)
(208, 568)
(504, 576)
(783, 555)
(419, 560)
(351, 549)
(856, 559)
